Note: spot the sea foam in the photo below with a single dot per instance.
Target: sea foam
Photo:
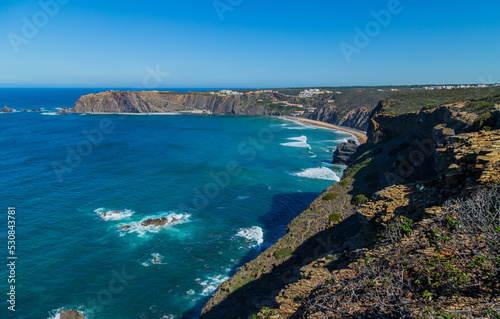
(301, 141)
(154, 259)
(318, 173)
(253, 234)
(211, 284)
(113, 214)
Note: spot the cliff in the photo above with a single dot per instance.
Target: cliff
(155, 102)
(398, 236)
(353, 110)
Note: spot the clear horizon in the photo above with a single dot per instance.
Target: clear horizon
(247, 44)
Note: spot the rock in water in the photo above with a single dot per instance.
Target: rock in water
(344, 155)
(71, 314)
(6, 110)
(158, 221)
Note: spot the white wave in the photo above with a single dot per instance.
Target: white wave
(211, 284)
(253, 234)
(173, 218)
(243, 197)
(318, 173)
(344, 140)
(190, 292)
(298, 127)
(301, 142)
(50, 113)
(113, 214)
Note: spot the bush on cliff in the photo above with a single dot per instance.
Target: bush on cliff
(359, 199)
(335, 218)
(345, 182)
(330, 196)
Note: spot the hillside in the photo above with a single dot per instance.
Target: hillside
(411, 231)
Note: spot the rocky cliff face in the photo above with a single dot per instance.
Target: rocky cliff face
(248, 104)
(357, 118)
(154, 102)
(345, 153)
(385, 242)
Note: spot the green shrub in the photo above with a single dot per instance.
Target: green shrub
(330, 196)
(359, 199)
(283, 253)
(335, 218)
(344, 182)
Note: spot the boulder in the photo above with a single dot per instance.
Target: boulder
(6, 110)
(344, 155)
(158, 221)
(64, 110)
(71, 314)
(442, 135)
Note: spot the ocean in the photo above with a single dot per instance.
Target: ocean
(229, 184)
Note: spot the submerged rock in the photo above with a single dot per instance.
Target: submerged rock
(344, 154)
(71, 314)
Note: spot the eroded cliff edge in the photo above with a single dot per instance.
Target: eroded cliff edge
(397, 236)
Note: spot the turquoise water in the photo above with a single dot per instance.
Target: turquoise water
(232, 183)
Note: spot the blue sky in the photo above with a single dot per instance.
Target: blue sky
(89, 43)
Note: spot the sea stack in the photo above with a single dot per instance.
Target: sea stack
(6, 110)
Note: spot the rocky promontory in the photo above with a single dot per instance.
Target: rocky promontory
(163, 102)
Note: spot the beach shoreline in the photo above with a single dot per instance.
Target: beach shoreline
(362, 138)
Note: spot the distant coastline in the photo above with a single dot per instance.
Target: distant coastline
(362, 138)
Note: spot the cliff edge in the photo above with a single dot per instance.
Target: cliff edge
(412, 230)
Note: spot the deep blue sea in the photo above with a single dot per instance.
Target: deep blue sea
(232, 184)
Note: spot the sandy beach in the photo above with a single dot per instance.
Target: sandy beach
(360, 136)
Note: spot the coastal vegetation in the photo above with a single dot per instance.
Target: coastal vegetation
(477, 99)
(330, 196)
